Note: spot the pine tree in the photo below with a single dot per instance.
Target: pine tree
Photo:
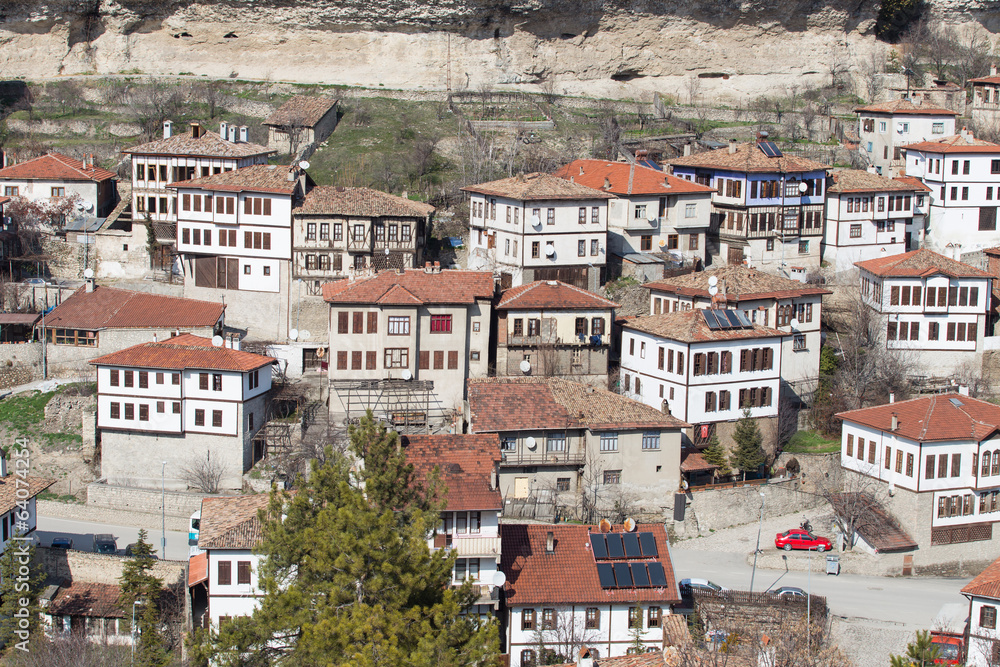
(919, 653)
(139, 585)
(748, 455)
(715, 454)
(347, 575)
(18, 621)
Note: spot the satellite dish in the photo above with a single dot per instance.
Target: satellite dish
(713, 281)
(305, 334)
(662, 243)
(320, 353)
(604, 526)
(629, 524)
(530, 443)
(89, 206)
(217, 341)
(549, 250)
(713, 290)
(525, 366)
(293, 334)
(536, 221)
(653, 220)
(499, 578)
(79, 206)
(794, 323)
(304, 164)
(386, 251)
(407, 375)
(88, 273)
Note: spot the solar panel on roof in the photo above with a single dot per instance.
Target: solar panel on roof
(623, 575)
(769, 149)
(615, 548)
(606, 573)
(639, 575)
(733, 319)
(710, 319)
(599, 545)
(744, 320)
(631, 541)
(648, 543)
(657, 577)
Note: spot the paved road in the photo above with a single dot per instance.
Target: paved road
(912, 601)
(83, 532)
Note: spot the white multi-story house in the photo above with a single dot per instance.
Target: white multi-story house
(939, 459)
(18, 490)
(180, 401)
(605, 590)
(54, 175)
(561, 440)
(985, 110)
(703, 366)
(791, 307)
(962, 173)
(234, 240)
(653, 211)
(767, 209)
(933, 306)
(870, 216)
(470, 521)
(983, 591)
(886, 128)
(225, 572)
(538, 227)
(558, 329)
(427, 327)
(181, 157)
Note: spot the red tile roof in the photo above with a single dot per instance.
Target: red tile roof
(231, 523)
(622, 178)
(956, 143)
(913, 181)
(112, 308)
(919, 263)
(985, 79)
(552, 294)
(538, 403)
(55, 167)
(364, 202)
(209, 144)
(182, 352)
(748, 158)
(255, 178)
(465, 466)
(197, 569)
(857, 180)
(741, 283)
(569, 574)
(690, 326)
(993, 252)
(932, 418)
(82, 598)
(537, 187)
(412, 287)
(987, 583)
(302, 111)
(901, 106)
(694, 462)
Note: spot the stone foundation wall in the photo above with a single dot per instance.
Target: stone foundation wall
(20, 363)
(134, 499)
(100, 568)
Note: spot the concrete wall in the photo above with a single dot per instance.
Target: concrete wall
(263, 315)
(174, 503)
(99, 568)
(716, 509)
(122, 254)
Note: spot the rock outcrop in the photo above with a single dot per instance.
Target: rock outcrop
(580, 46)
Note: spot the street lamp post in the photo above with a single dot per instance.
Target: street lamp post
(135, 604)
(163, 511)
(760, 526)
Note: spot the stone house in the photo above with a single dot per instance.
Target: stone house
(88, 609)
(97, 320)
(183, 401)
(55, 175)
(561, 439)
(419, 332)
(341, 231)
(555, 329)
(985, 110)
(888, 127)
(539, 227)
(302, 120)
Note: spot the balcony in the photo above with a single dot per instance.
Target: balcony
(541, 458)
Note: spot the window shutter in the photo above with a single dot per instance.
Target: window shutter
(370, 361)
(768, 361)
(744, 356)
(225, 573)
(248, 239)
(342, 318)
(373, 322)
(267, 207)
(359, 322)
(452, 359)
(342, 360)
(356, 360)
(247, 206)
(425, 360)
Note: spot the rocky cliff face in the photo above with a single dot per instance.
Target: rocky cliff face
(583, 46)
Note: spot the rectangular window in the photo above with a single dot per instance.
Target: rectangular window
(653, 616)
(651, 440)
(988, 616)
(593, 618)
(581, 248)
(399, 325)
(612, 476)
(143, 412)
(635, 617)
(243, 572)
(199, 417)
(115, 411)
(942, 470)
(225, 573)
(440, 323)
(216, 382)
(217, 418)
(956, 465)
(114, 378)
(397, 357)
(929, 467)
(609, 441)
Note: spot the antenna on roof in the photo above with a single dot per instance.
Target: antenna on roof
(217, 341)
(604, 526)
(629, 524)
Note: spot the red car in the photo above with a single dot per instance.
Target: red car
(801, 539)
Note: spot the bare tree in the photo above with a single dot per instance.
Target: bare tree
(693, 86)
(858, 502)
(871, 72)
(838, 64)
(560, 639)
(973, 55)
(71, 650)
(152, 102)
(204, 474)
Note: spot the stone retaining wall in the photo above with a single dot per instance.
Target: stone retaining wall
(75, 565)
(716, 509)
(176, 503)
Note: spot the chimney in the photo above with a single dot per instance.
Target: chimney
(965, 133)
(607, 183)
(993, 69)
(244, 134)
(550, 542)
(963, 389)
(224, 130)
(427, 268)
(89, 285)
(732, 146)
(437, 267)
(196, 129)
(168, 129)
(687, 149)
(892, 397)
(154, 336)
(232, 134)
(895, 422)
(404, 194)
(586, 658)
(581, 170)
(494, 479)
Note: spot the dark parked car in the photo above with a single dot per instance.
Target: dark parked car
(105, 544)
(62, 542)
(801, 539)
